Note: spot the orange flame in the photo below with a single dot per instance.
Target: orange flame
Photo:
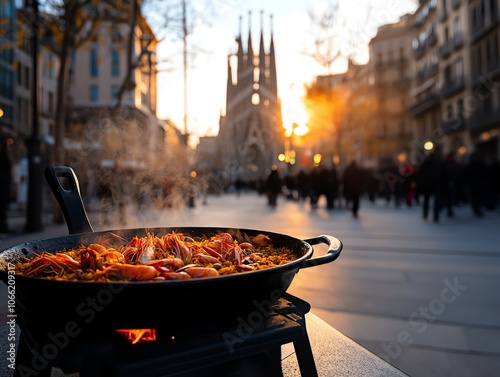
(138, 335)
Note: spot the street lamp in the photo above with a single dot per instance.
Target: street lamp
(33, 144)
(290, 152)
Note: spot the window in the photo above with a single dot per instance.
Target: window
(496, 56)
(115, 63)
(115, 35)
(457, 27)
(27, 77)
(50, 66)
(51, 103)
(19, 74)
(93, 63)
(460, 108)
(19, 111)
(447, 74)
(114, 93)
(493, 7)
(449, 112)
(94, 93)
(489, 60)
(459, 69)
(72, 60)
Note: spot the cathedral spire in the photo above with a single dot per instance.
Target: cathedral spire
(262, 52)
(272, 61)
(239, 54)
(250, 45)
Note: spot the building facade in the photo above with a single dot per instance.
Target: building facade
(96, 128)
(425, 104)
(7, 69)
(251, 131)
(431, 84)
(482, 110)
(455, 78)
(390, 55)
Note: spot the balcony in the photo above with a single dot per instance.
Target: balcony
(428, 72)
(451, 87)
(454, 124)
(458, 41)
(443, 15)
(445, 49)
(419, 51)
(431, 39)
(393, 63)
(488, 79)
(455, 3)
(484, 25)
(483, 120)
(425, 103)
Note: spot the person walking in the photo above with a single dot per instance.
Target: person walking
(274, 185)
(476, 182)
(430, 184)
(452, 182)
(331, 186)
(353, 181)
(6, 179)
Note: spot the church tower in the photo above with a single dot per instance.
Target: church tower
(251, 130)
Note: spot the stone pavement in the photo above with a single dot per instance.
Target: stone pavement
(423, 296)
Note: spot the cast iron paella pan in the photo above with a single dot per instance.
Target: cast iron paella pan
(51, 305)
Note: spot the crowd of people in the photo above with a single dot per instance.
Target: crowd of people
(439, 184)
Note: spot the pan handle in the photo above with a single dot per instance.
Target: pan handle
(334, 249)
(69, 198)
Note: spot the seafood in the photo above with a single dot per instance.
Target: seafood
(262, 240)
(130, 272)
(51, 264)
(172, 256)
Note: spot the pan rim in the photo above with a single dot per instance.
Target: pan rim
(295, 264)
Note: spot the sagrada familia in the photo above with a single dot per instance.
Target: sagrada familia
(251, 132)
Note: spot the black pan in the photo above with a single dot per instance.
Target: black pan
(47, 306)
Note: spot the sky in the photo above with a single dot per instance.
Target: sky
(292, 33)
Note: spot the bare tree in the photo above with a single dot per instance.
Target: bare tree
(335, 36)
(326, 49)
(74, 22)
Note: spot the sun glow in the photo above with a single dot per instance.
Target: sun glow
(295, 116)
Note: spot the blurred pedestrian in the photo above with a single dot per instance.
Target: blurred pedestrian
(476, 179)
(494, 174)
(303, 185)
(372, 185)
(274, 185)
(238, 185)
(316, 187)
(291, 187)
(331, 186)
(353, 182)
(408, 172)
(393, 184)
(453, 178)
(5, 186)
(430, 184)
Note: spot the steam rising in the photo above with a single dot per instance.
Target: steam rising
(126, 168)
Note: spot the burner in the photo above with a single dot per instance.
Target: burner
(248, 346)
